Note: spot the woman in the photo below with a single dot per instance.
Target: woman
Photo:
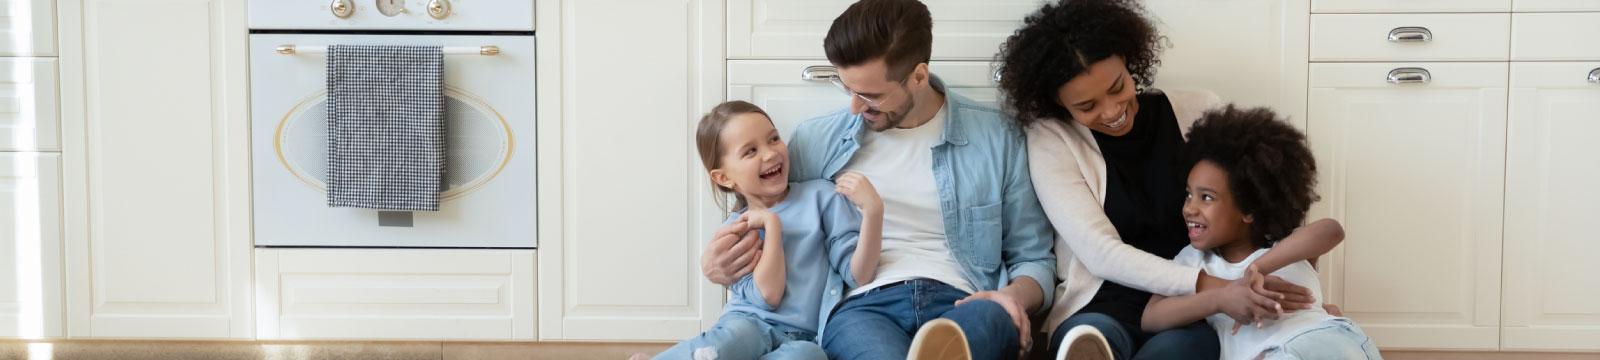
(1106, 156)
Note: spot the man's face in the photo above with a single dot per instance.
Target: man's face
(882, 102)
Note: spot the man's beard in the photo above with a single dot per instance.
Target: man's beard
(892, 119)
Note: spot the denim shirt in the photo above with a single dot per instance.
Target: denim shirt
(993, 222)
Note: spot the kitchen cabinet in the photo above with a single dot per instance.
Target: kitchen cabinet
(618, 258)
(1415, 172)
(30, 245)
(156, 169)
(1550, 203)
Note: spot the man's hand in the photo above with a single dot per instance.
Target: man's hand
(1019, 315)
(731, 254)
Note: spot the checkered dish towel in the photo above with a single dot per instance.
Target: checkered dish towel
(385, 127)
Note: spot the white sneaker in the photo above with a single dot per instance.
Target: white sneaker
(1084, 342)
(940, 339)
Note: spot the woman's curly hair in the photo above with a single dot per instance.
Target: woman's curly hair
(1271, 172)
(1061, 40)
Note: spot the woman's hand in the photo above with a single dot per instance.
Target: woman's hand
(1240, 301)
(731, 254)
(1290, 297)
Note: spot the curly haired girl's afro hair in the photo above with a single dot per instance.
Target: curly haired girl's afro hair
(1061, 40)
(1271, 172)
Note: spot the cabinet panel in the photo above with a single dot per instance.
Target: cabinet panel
(456, 294)
(1415, 172)
(1408, 6)
(1554, 5)
(28, 120)
(1450, 37)
(1555, 36)
(30, 245)
(1550, 209)
(27, 28)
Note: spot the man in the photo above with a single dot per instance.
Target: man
(965, 242)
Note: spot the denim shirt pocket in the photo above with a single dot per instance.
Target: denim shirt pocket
(983, 234)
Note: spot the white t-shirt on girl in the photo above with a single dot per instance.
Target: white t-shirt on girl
(1250, 341)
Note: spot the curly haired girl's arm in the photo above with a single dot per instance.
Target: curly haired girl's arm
(1306, 243)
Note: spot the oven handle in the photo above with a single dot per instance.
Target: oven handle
(488, 50)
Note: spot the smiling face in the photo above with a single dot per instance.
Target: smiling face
(893, 98)
(755, 161)
(1214, 220)
(1102, 98)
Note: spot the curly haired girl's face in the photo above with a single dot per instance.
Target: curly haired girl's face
(1102, 98)
(1209, 211)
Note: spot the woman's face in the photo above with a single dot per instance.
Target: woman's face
(1101, 98)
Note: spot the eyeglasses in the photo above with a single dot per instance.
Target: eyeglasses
(875, 104)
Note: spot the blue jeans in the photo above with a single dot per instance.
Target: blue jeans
(1128, 341)
(740, 335)
(1332, 339)
(879, 324)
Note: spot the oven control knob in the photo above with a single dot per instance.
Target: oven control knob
(439, 9)
(342, 8)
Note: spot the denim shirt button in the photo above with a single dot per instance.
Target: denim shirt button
(833, 292)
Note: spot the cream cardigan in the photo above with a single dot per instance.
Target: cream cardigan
(1069, 177)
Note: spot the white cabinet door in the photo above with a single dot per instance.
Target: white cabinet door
(1415, 173)
(777, 87)
(156, 168)
(624, 264)
(30, 245)
(28, 120)
(794, 29)
(1550, 287)
(1409, 6)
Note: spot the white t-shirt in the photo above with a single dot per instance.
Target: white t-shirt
(899, 163)
(1249, 341)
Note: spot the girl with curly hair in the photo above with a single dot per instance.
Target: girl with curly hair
(1252, 181)
(1107, 159)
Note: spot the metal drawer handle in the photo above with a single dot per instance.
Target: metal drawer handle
(1410, 34)
(997, 76)
(1410, 75)
(819, 72)
(1594, 76)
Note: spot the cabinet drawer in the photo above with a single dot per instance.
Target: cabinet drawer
(457, 294)
(30, 245)
(1555, 36)
(793, 29)
(1409, 37)
(1555, 5)
(28, 105)
(27, 28)
(1409, 6)
(777, 86)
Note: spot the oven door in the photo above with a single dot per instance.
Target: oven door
(490, 199)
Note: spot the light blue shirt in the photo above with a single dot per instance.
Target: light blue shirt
(817, 224)
(992, 218)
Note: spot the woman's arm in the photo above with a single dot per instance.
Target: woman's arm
(769, 273)
(1079, 219)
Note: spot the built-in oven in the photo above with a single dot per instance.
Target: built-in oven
(489, 197)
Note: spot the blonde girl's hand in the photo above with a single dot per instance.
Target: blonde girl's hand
(760, 219)
(855, 187)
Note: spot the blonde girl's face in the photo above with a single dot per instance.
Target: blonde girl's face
(755, 161)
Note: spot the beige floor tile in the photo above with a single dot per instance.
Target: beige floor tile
(352, 350)
(549, 350)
